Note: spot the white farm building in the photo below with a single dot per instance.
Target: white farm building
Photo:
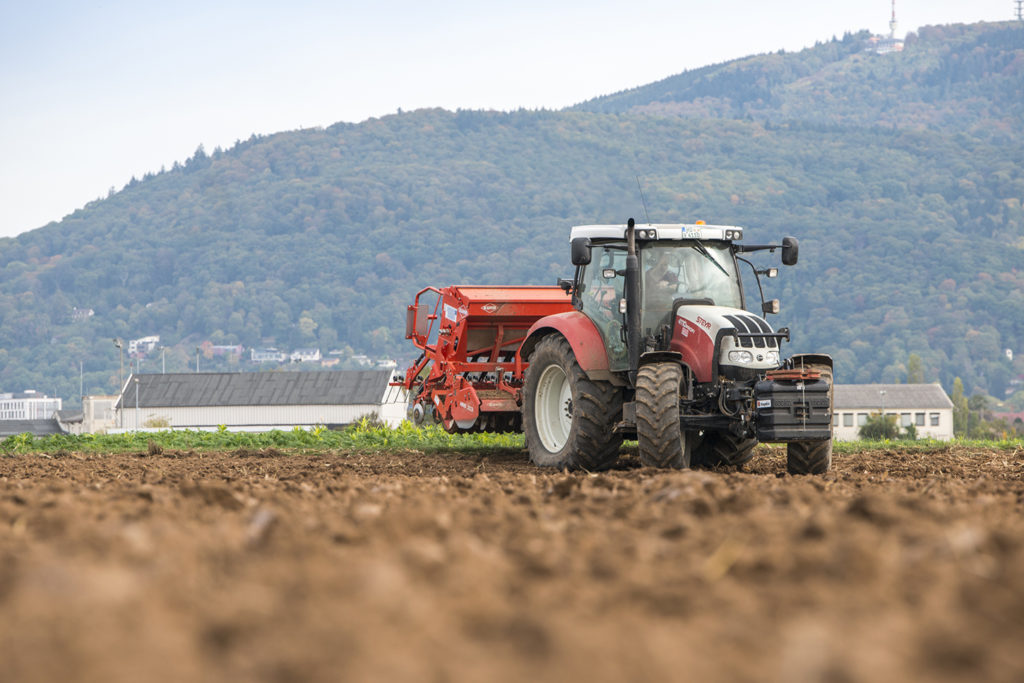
(259, 401)
(925, 406)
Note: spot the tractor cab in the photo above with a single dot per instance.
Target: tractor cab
(690, 267)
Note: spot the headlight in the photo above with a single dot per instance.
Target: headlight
(772, 357)
(741, 356)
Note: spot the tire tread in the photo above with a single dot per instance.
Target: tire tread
(812, 457)
(662, 442)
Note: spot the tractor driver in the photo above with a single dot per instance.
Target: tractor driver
(659, 278)
(661, 286)
(680, 273)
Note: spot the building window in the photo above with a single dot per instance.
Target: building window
(935, 419)
(919, 419)
(847, 419)
(835, 419)
(904, 419)
(862, 419)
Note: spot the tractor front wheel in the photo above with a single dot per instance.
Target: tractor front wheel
(724, 448)
(660, 438)
(568, 418)
(812, 457)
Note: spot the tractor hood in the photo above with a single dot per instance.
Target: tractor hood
(742, 339)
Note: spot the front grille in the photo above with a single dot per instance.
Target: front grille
(751, 324)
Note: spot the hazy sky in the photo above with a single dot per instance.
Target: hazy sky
(92, 93)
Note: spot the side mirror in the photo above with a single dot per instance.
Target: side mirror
(790, 251)
(581, 251)
(772, 306)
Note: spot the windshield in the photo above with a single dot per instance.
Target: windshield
(685, 270)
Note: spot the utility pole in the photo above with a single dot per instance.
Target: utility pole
(136, 403)
(120, 380)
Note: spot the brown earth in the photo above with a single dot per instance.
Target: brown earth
(264, 566)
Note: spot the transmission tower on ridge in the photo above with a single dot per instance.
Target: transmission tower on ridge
(884, 45)
(1020, 9)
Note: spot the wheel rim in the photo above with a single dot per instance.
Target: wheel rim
(553, 412)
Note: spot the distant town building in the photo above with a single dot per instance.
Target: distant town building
(305, 356)
(260, 401)
(226, 350)
(142, 346)
(97, 416)
(28, 405)
(925, 406)
(81, 314)
(267, 355)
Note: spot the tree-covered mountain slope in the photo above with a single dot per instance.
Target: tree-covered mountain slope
(912, 239)
(963, 77)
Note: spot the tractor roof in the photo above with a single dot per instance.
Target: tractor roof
(661, 231)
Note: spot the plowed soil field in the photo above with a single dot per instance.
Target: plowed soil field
(264, 566)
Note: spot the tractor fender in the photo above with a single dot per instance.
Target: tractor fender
(586, 342)
(798, 359)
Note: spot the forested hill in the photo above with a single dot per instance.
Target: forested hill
(959, 77)
(912, 237)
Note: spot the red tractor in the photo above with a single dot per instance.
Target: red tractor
(650, 340)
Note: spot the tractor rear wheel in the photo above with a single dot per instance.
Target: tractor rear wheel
(812, 457)
(568, 418)
(723, 448)
(661, 440)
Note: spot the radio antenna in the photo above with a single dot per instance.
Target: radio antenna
(643, 200)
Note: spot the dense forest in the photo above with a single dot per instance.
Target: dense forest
(902, 175)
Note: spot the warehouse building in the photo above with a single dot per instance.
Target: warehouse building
(259, 401)
(926, 406)
(28, 405)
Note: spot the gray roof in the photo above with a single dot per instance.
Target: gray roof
(897, 397)
(184, 390)
(67, 416)
(34, 427)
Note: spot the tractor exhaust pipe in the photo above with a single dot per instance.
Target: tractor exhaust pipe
(632, 302)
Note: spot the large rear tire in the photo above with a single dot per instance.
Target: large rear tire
(723, 448)
(568, 418)
(661, 440)
(812, 457)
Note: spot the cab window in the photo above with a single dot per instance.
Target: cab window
(600, 292)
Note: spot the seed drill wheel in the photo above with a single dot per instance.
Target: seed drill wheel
(661, 440)
(812, 457)
(568, 418)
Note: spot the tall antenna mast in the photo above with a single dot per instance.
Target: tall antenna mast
(644, 199)
(892, 22)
